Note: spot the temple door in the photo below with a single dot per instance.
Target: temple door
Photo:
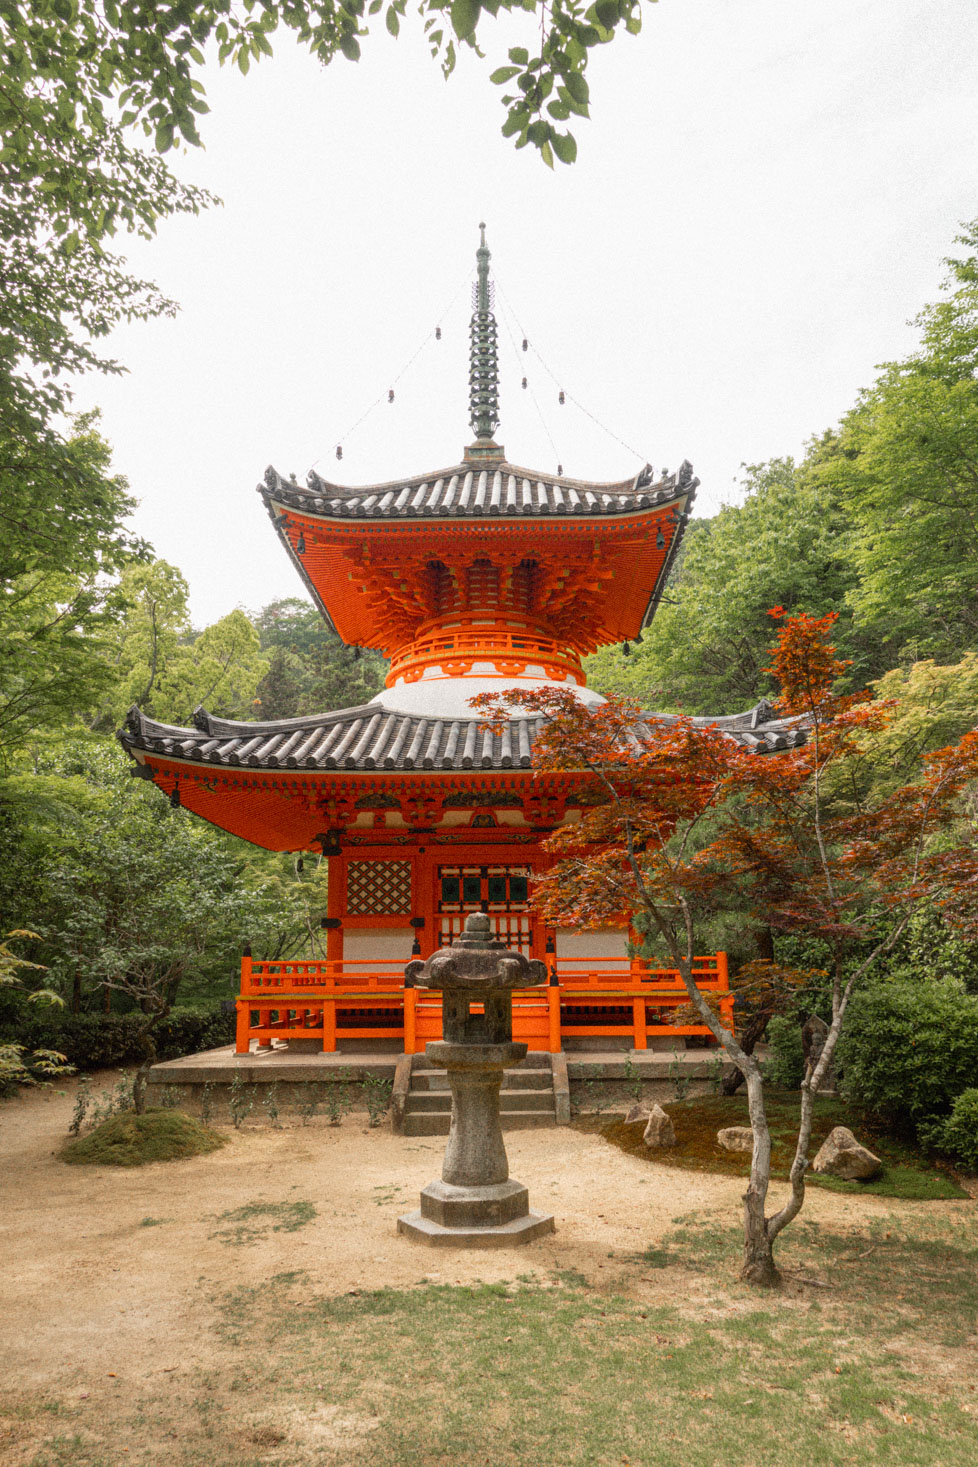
(502, 891)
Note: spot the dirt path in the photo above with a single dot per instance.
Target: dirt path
(110, 1270)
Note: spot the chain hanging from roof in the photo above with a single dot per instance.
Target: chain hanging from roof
(483, 357)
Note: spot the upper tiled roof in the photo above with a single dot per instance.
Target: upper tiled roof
(477, 491)
(376, 738)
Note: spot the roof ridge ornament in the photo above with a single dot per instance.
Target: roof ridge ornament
(483, 361)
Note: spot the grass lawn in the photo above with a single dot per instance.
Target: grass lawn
(875, 1368)
(696, 1121)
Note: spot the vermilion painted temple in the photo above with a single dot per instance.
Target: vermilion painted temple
(472, 578)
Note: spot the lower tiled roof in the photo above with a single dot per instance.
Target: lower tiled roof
(369, 737)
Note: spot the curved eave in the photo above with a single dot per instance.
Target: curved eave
(373, 739)
(473, 491)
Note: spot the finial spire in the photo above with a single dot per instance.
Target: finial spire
(483, 361)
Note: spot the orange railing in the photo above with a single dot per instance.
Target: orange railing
(366, 999)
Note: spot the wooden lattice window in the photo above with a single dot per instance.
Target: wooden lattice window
(378, 888)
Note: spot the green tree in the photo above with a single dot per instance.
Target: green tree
(310, 669)
(126, 889)
(707, 651)
(160, 664)
(62, 548)
(906, 475)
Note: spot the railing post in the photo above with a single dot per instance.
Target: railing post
(410, 1020)
(553, 1012)
(242, 1023)
(242, 1028)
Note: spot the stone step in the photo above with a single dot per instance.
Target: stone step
(509, 1101)
(436, 1123)
(535, 1060)
(512, 1080)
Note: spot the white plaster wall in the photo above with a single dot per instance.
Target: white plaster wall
(435, 696)
(378, 942)
(579, 950)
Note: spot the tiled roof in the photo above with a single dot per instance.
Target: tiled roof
(477, 491)
(376, 738)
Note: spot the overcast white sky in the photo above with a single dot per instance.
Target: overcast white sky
(761, 202)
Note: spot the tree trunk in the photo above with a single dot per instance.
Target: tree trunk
(148, 1046)
(758, 1266)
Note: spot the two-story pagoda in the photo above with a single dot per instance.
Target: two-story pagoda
(478, 577)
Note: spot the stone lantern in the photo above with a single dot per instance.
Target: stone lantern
(476, 1204)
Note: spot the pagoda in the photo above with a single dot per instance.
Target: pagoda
(474, 578)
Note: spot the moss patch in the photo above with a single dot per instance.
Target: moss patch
(696, 1121)
(132, 1140)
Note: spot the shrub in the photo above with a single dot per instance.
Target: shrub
(908, 1050)
(132, 1140)
(109, 1041)
(959, 1134)
(785, 1066)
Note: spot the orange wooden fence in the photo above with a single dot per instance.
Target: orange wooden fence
(366, 999)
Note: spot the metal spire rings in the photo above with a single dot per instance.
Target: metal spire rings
(483, 360)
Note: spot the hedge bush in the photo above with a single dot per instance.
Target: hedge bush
(785, 1064)
(107, 1041)
(909, 1049)
(959, 1134)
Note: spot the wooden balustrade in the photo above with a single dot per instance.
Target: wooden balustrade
(299, 998)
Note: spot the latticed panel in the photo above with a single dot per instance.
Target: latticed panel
(378, 888)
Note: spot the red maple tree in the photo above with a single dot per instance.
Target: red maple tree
(684, 822)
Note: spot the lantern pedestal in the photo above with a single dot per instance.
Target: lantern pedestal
(475, 1205)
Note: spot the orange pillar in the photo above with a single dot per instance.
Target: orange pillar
(638, 1023)
(329, 1014)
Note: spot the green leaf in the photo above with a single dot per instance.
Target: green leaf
(565, 147)
(606, 12)
(518, 55)
(393, 24)
(244, 61)
(559, 111)
(577, 85)
(465, 17)
(350, 47)
(546, 153)
(502, 74)
(164, 137)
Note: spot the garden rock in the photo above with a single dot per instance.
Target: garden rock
(639, 1113)
(841, 1155)
(736, 1138)
(659, 1131)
